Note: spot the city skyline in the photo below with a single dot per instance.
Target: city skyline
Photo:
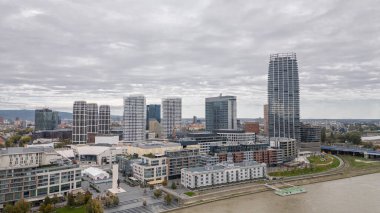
(193, 50)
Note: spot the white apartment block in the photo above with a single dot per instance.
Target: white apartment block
(198, 177)
(171, 115)
(150, 169)
(134, 118)
(79, 127)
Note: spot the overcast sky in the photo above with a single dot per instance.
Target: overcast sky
(55, 52)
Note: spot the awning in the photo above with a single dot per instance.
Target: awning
(154, 182)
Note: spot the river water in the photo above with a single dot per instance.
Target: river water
(357, 195)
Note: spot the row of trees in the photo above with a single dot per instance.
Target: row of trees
(20, 206)
(158, 193)
(350, 137)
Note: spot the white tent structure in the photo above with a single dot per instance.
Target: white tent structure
(96, 174)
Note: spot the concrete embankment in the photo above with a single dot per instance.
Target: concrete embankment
(227, 192)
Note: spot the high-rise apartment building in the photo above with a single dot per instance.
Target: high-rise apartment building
(79, 126)
(153, 112)
(310, 138)
(104, 119)
(266, 120)
(134, 118)
(221, 113)
(92, 118)
(283, 96)
(171, 115)
(45, 119)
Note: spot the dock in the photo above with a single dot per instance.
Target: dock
(291, 190)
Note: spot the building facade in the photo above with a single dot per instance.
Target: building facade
(266, 120)
(34, 173)
(252, 127)
(221, 113)
(310, 138)
(283, 96)
(153, 112)
(207, 176)
(134, 118)
(171, 116)
(46, 119)
(104, 120)
(79, 133)
(177, 160)
(151, 169)
(288, 145)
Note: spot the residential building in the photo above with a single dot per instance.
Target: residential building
(310, 138)
(104, 120)
(79, 127)
(266, 120)
(252, 127)
(153, 147)
(238, 138)
(34, 173)
(283, 96)
(153, 112)
(134, 118)
(207, 176)
(92, 122)
(221, 113)
(171, 116)
(288, 145)
(46, 119)
(177, 160)
(152, 169)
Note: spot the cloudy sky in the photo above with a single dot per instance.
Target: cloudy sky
(55, 52)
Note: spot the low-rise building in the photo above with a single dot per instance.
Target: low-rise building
(288, 145)
(34, 173)
(152, 169)
(199, 177)
(96, 175)
(151, 147)
(180, 159)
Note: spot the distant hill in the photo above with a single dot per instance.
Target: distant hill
(29, 115)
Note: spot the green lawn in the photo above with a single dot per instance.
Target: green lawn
(190, 194)
(320, 160)
(66, 209)
(360, 162)
(305, 171)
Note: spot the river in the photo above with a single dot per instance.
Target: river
(358, 195)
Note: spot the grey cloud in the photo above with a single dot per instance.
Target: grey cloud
(55, 52)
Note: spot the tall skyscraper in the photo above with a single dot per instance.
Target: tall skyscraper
(171, 115)
(266, 120)
(134, 118)
(92, 118)
(79, 127)
(153, 111)
(221, 113)
(283, 96)
(104, 119)
(45, 119)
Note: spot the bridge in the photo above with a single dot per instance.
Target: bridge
(367, 153)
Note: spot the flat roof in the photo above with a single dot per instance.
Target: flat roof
(223, 166)
(23, 150)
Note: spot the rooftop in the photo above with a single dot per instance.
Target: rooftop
(223, 166)
(22, 150)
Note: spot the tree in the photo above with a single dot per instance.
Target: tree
(55, 200)
(157, 193)
(80, 199)
(168, 199)
(22, 206)
(94, 206)
(87, 197)
(9, 208)
(354, 137)
(165, 183)
(173, 186)
(46, 208)
(108, 202)
(115, 200)
(70, 199)
(47, 200)
(323, 134)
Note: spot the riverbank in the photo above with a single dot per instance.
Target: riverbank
(228, 192)
(356, 194)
